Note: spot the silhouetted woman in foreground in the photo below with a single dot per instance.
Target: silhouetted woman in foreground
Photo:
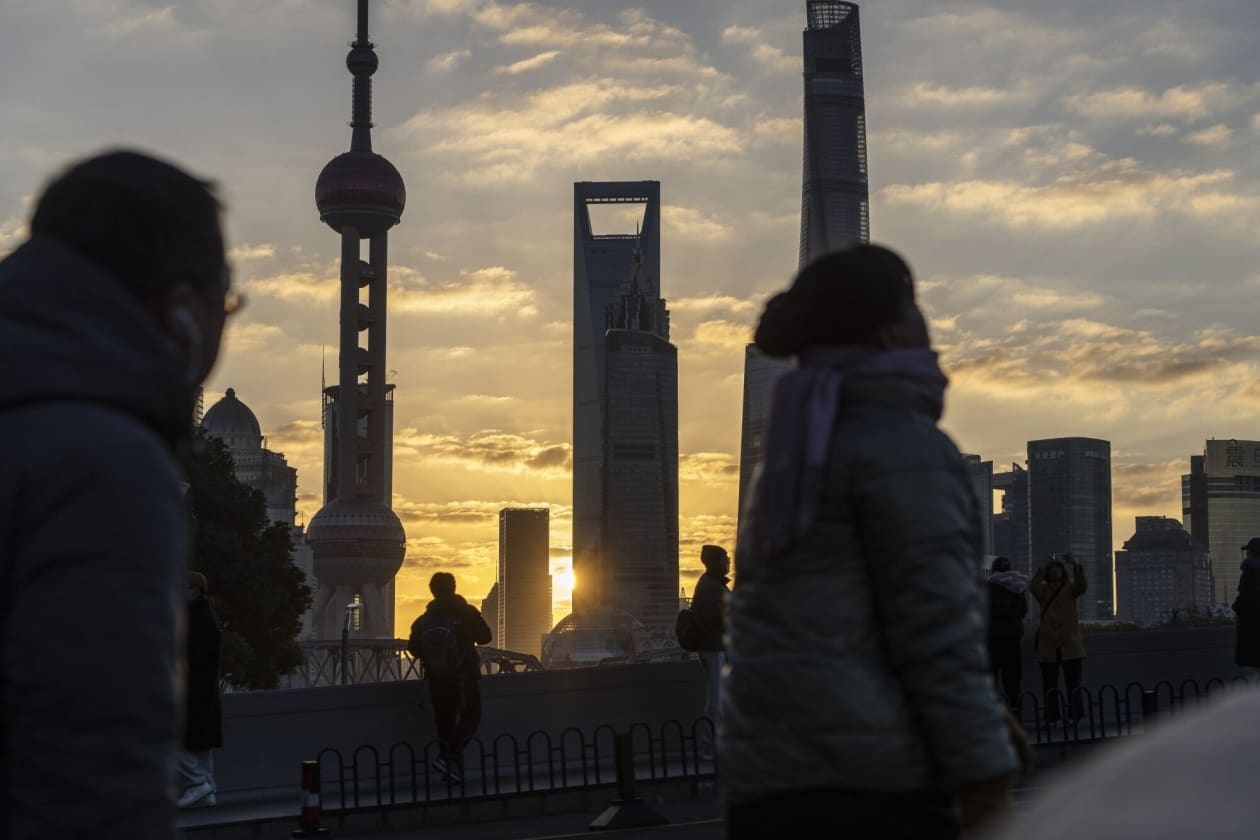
(858, 692)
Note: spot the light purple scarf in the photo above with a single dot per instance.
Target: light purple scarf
(802, 417)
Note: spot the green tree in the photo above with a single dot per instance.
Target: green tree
(257, 591)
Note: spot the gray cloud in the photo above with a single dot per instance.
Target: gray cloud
(1043, 167)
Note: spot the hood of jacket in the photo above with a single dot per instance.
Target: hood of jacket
(447, 605)
(70, 332)
(1014, 581)
(714, 574)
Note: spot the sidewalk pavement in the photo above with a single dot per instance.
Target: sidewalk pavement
(544, 814)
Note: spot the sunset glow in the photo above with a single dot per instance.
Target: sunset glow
(1075, 184)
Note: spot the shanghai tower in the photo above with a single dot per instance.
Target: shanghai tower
(834, 195)
(357, 540)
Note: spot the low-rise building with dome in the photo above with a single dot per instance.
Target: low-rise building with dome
(593, 635)
(256, 466)
(232, 422)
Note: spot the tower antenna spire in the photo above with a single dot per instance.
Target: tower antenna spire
(357, 541)
(362, 63)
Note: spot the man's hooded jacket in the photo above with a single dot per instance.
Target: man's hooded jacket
(93, 541)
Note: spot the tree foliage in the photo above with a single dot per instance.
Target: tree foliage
(257, 591)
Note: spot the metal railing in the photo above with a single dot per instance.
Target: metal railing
(573, 760)
(1057, 719)
(504, 766)
(384, 660)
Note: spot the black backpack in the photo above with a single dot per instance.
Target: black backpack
(687, 630)
(435, 641)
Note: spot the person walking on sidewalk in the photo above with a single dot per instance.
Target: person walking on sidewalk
(444, 639)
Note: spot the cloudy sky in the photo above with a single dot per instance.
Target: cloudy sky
(1075, 184)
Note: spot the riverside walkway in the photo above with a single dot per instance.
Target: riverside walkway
(545, 785)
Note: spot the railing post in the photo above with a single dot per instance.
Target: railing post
(626, 811)
(309, 816)
(1150, 707)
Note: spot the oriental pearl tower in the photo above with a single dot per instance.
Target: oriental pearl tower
(357, 541)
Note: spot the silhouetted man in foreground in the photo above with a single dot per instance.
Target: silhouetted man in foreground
(444, 639)
(110, 318)
(857, 693)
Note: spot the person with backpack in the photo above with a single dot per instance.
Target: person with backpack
(444, 640)
(708, 604)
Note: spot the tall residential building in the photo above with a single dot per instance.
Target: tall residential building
(1069, 510)
(834, 193)
(523, 606)
(760, 374)
(357, 539)
(1220, 501)
(1194, 501)
(1010, 526)
(602, 265)
(490, 612)
(1161, 571)
(981, 474)
(639, 540)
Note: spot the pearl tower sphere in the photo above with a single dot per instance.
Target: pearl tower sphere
(357, 540)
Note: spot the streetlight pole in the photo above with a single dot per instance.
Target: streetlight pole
(345, 641)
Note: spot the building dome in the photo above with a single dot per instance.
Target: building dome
(231, 421)
(362, 190)
(355, 540)
(586, 638)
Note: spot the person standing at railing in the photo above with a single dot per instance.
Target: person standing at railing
(1247, 609)
(857, 693)
(203, 718)
(708, 605)
(445, 638)
(1008, 604)
(1058, 640)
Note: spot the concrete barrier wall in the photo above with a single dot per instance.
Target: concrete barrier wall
(1149, 657)
(268, 734)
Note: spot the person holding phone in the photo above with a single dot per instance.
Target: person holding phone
(1058, 641)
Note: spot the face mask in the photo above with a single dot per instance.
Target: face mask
(188, 343)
